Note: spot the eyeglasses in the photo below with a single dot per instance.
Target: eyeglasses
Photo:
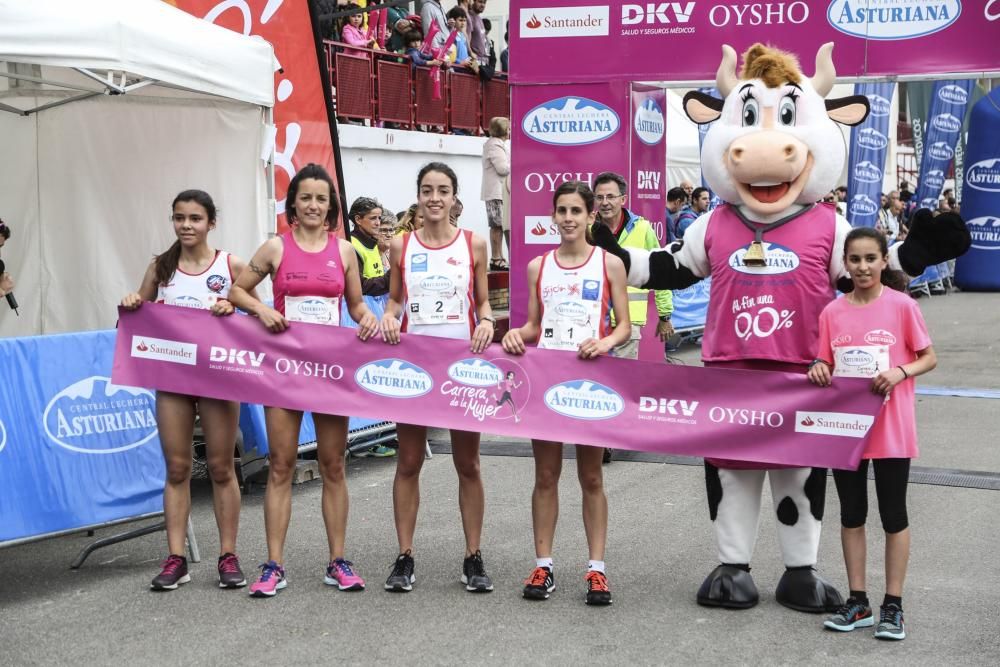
(608, 198)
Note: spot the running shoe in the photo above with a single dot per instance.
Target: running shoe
(539, 584)
(340, 574)
(474, 574)
(852, 614)
(598, 592)
(230, 574)
(272, 579)
(174, 573)
(401, 578)
(890, 623)
(379, 452)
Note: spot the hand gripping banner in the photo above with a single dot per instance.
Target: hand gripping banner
(775, 418)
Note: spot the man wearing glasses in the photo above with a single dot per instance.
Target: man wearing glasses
(632, 231)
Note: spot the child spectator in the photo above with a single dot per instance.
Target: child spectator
(459, 20)
(413, 43)
(352, 32)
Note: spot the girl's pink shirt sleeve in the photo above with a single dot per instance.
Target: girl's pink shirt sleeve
(354, 36)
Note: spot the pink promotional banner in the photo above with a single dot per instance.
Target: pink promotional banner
(558, 41)
(648, 157)
(561, 133)
(776, 418)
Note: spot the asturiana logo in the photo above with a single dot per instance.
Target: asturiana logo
(570, 121)
(571, 310)
(880, 337)
(584, 399)
(879, 105)
(953, 94)
(857, 358)
(934, 179)
(93, 416)
(872, 138)
(475, 373)
(867, 172)
(984, 175)
(188, 301)
(940, 150)
(946, 122)
(437, 284)
(314, 307)
(895, 19)
(929, 202)
(985, 232)
(648, 123)
(778, 258)
(394, 378)
(863, 205)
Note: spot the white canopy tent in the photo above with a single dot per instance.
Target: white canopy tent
(108, 109)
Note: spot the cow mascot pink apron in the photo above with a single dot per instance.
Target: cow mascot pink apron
(775, 257)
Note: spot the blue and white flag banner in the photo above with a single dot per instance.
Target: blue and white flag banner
(869, 146)
(944, 126)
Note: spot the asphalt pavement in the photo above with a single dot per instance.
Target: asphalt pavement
(660, 547)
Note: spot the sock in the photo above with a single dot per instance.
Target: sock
(860, 596)
(596, 566)
(544, 562)
(892, 599)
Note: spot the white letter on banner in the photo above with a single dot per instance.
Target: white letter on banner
(647, 404)
(988, 11)
(631, 14)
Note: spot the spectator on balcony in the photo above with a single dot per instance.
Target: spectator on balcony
(413, 44)
(505, 54)
(400, 28)
(459, 20)
(491, 51)
(496, 167)
(353, 33)
(432, 14)
(480, 46)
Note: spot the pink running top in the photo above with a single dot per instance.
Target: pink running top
(308, 274)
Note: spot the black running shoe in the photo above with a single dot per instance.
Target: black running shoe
(598, 592)
(539, 584)
(174, 573)
(474, 575)
(401, 578)
(230, 574)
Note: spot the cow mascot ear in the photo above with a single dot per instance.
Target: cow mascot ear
(932, 240)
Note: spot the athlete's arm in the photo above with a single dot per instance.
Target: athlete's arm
(243, 293)
(225, 306)
(482, 336)
(514, 340)
(390, 320)
(356, 306)
(146, 292)
(592, 347)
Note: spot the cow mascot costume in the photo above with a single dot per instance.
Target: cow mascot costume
(775, 257)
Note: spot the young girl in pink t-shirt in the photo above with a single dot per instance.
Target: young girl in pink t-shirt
(877, 333)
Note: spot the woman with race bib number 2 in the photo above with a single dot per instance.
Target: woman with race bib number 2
(312, 270)
(569, 310)
(192, 274)
(438, 285)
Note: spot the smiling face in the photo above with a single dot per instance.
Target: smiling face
(436, 197)
(610, 201)
(571, 216)
(312, 203)
(865, 262)
(191, 223)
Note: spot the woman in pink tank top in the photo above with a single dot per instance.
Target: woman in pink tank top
(184, 272)
(312, 270)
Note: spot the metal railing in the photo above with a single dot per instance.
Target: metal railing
(385, 88)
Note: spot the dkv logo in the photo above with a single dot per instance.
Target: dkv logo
(570, 121)
(648, 123)
(394, 378)
(93, 416)
(779, 260)
(984, 175)
(584, 399)
(475, 373)
(899, 19)
(867, 172)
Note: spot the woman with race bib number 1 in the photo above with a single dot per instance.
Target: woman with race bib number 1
(569, 310)
(312, 270)
(438, 284)
(192, 274)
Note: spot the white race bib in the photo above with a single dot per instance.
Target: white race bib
(860, 361)
(313, 309)
(437, 301)
(570, 323)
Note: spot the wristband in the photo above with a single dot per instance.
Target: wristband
(905, 374)
(664, 318)
(814, 362)
(489, 319)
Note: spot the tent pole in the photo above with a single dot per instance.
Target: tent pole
(271, 204)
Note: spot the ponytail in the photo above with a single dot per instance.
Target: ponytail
(166, 263)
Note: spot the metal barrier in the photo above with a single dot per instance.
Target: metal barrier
(379, 87)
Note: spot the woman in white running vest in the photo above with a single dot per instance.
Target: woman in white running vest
(568, 310)
(192, 274)
(438, 285)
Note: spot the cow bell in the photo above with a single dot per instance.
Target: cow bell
(754, 255)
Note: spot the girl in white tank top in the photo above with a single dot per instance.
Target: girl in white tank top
(193, 274)
(438, 287)
(568, 310)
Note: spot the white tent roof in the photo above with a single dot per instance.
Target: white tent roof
(147, 40)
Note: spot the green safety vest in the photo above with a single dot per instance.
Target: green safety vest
(371, 259)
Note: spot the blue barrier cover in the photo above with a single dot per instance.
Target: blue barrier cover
(691, 305)
(75, 450)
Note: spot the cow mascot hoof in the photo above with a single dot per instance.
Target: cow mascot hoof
(802, 589)
(729, 586)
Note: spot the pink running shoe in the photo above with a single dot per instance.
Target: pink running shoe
(272, 579)
(340, 574)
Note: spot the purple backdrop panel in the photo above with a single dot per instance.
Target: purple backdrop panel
(776, 418)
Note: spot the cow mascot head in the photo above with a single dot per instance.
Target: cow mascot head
(774, 150)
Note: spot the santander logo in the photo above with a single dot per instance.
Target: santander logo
(808, 421)
(533, 23)
(538, 230)
(142, 347)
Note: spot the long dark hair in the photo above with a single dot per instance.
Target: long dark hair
(312, 170)
(439, 167)
(166, 263)
(896, 280)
